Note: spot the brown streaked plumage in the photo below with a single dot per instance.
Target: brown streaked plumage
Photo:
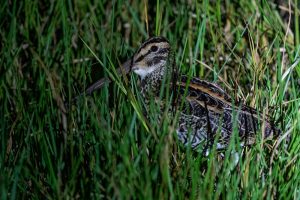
(207, 112)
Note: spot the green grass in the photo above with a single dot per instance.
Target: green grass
(101, 148)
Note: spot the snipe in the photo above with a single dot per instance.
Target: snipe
(207, 112)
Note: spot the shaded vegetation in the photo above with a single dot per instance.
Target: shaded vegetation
(100, 148)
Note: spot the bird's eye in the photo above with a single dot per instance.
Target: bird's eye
(154, 48)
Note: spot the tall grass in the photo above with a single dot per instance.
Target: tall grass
(102, 147)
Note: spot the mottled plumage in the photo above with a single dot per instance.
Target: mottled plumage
(208, 112)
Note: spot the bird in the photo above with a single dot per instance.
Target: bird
(207, 114)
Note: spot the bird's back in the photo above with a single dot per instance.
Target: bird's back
(212, 107)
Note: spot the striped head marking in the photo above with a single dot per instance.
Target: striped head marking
(153, 54)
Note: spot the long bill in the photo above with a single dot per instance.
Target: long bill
(124, 69)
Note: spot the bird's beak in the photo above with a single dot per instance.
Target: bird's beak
(124, 69)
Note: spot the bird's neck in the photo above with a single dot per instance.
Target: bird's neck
(152, 83)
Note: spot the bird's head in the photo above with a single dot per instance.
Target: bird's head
(152, 55)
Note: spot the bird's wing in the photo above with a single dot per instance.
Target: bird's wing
(207, 101)
(205, 98)
(207, 95)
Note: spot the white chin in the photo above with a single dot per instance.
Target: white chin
(143, 72)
